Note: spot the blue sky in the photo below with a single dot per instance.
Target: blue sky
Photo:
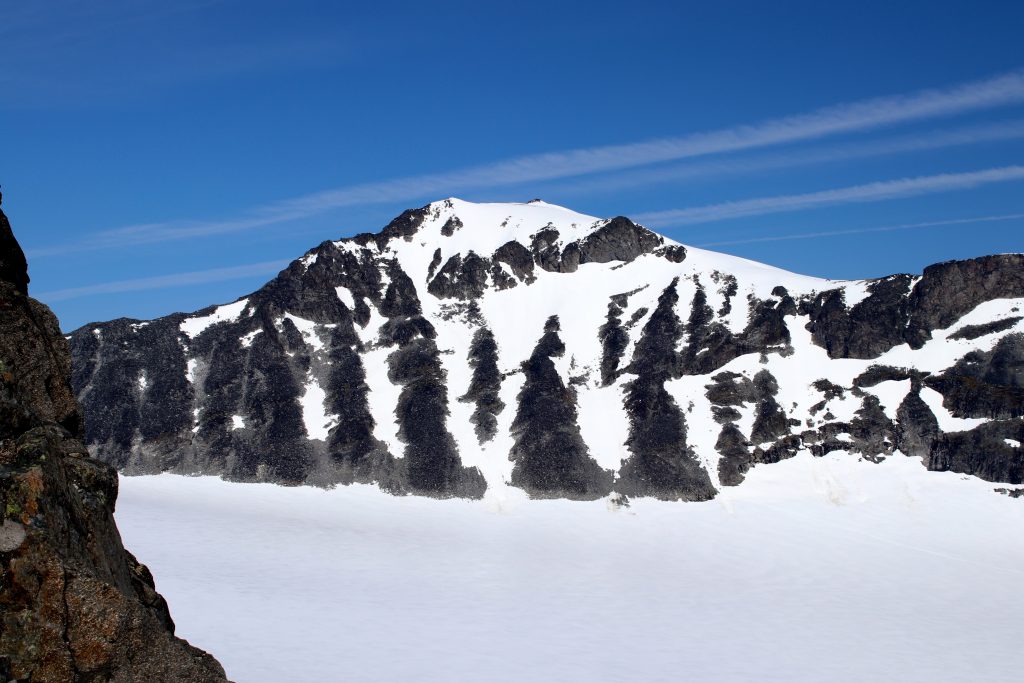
(158, 158)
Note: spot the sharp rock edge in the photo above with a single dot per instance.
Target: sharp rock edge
(74, 604)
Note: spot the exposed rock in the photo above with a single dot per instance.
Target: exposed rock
(551, 459)
(662, 464)
(975, 331)
(485, 384)
(74, 604)
(13, 267)
(986, 383)
(917, 427)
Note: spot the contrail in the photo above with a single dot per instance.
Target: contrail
(858, 231)
(870, 192)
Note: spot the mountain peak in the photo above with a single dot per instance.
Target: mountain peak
(469, 347)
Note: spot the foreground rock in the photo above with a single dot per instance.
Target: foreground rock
(74, 604)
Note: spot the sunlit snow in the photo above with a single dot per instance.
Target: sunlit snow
(827, 569)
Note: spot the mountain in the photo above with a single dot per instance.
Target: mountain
(469, 347)
(74, 604)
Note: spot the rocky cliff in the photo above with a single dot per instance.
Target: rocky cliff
(74, 604)
(470, 347)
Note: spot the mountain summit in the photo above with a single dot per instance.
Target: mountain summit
(470, 347)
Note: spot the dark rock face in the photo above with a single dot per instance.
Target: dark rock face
(661, 464)
(461, 278)
(895, 313)
(74, 604)
(551, 459)
(918, 428)
(948, 290)
(986, 384)
(872, 326)
(983, 452)
(13, 267)
(620, 239)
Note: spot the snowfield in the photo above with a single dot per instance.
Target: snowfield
(814, 569)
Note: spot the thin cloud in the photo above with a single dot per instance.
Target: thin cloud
(918, 142)
(860, 231)
(166, 281)
(870, 192)
(834, 120)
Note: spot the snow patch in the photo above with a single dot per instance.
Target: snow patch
(308, 330)
(346, 297)
(192, 327)
(314, 416)
(237, 422)
(890, 394)
(247, 339)
(947, 422)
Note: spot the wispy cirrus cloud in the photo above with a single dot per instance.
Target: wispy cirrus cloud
(821, 154)
(195, 277)
(860, 231)
(853, 117)
(869, 192)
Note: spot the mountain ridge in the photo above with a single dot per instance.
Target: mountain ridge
(469, 347)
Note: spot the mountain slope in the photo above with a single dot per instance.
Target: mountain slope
(469, 347)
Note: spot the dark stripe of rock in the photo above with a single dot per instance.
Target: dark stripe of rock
(917, 428)
(614, 340)
(432, 465)
(975, 331)
(277, 449)
(661, 463)
(550, 456)
(485, 385)
(356, 454)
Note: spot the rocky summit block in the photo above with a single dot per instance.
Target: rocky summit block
(74, 604)
(466, 347)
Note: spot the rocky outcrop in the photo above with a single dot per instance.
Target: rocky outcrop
(74, 604)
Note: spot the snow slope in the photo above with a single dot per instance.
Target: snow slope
(816, 569)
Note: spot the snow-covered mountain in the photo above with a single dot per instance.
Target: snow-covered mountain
(466, 348)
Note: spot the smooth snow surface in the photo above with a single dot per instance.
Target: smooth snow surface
(827, 569)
